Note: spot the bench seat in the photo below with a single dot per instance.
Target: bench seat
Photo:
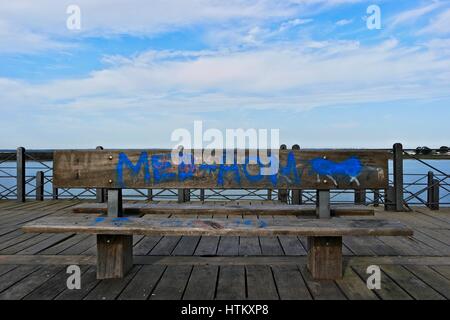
(151, 226)
(114, 235)
(212, 208)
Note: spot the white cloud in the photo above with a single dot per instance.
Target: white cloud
(288, 77)
(344, 22)
(410, 16)
(439, 25)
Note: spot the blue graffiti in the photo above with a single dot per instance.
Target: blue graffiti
(160, 166)
(135, 168)
(351, 168)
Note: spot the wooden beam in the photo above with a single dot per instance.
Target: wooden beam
(114, 256)
(297, 169)
(216, 227)
(325, 257)
(323, 204)
(398, 177)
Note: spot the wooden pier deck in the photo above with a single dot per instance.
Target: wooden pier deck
(33, 266)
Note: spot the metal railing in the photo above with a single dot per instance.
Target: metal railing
(414, 179)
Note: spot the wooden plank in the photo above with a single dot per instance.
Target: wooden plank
(230, 227)
(207, 246)
(165, 246)
(10, 278)
(270, 246)
(249, 246)
(323, 289)
(88, 282)
(172, 284)
(231, 283)
(410, 283)
(290, 283)
(260, 283)
(228, 246)
(202, 283)
(109, 289)
(144, 246)
(292, 246)
(443, 270)
(389, 289)
(186, 246)
(143, 283)
(353, 286)
(29, 283)
(432, 278)
(53, 287)
(296, 169)
(139, 209)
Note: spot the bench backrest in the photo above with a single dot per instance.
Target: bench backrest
(295, 169)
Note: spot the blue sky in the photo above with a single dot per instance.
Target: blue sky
(137, 70)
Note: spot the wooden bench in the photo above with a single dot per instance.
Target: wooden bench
(116, 170)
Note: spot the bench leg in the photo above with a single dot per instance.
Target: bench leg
(114, 255)
(325, 257)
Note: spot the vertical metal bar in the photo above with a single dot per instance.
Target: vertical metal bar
(269, 194)
(360, 197)
(202, 195)
(100, 193)
(398, 177)
(435, 195)
(55, 193)
(187, 195)
(430, 178)
(115, 207)
(389, 204)
(376, 198)
(150, 194)
(20, 159)
(323, 210)
(40, 186)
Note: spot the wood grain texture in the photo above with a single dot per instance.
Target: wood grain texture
(139, 209)
(296, 169)
(214, 227)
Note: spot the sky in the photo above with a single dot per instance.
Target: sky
(135, 71)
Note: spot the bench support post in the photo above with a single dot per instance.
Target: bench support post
(114, 255)
(325, 257)
(323, 204)
(296, 196)
(360, 197)
(114, 252)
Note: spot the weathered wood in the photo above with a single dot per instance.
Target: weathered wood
(296, 196)
(230, 227)
(100, 194)
(432, 192)
(114, 255)
(20, 176)
(40, 185)
(323, 204)
(139, 209)
(360, 197)
(115, 206)
(298, 169)
(325, 257)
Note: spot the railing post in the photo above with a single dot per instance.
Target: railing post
(150, 194)
(283, 193)
(40, 186)
(376, 198)
(181, 194)
(269, 194)
(360, 197)
(100, 193)
(20, 160)
(433, 192)
(202, 195)
(398, 177)
(296, 193)
(55, 193)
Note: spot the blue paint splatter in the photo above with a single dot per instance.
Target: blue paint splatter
(159, 166)
(98, 220)
(262, 223)
(351, 167)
